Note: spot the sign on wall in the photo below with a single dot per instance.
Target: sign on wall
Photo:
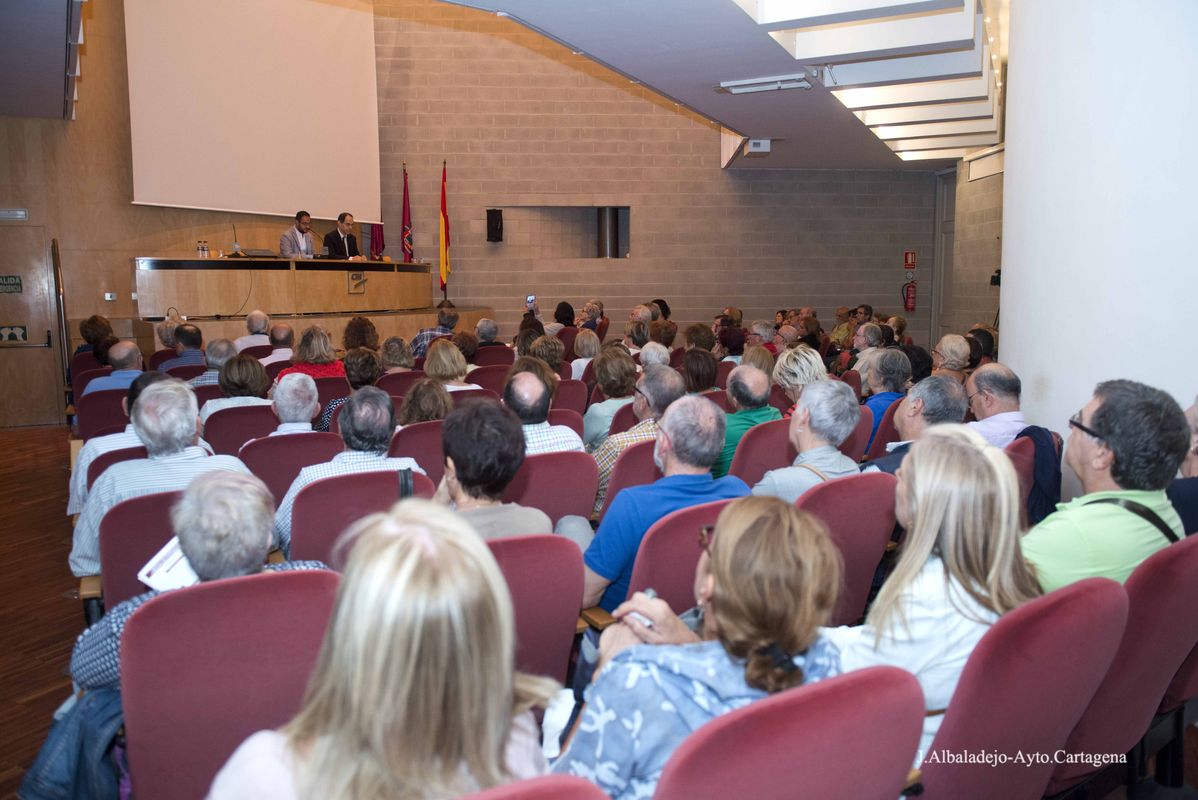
(10, 284)
(13, 333)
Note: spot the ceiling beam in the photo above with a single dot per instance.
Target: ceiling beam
(907, 94)
(810, 13)
(984, 125)
(941, 142)
(938, 66)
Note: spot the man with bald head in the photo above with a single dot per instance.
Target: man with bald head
(256, 323)
(125, 360)
(993, 392)
(528, 396)
(282, 339)
(749, 396)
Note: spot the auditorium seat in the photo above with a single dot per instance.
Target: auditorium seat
(854, 735)
(568, 417)
(779, 399)
(186, 372)
(228, 429)
(546, 787)
(559, 484)
(199, 674)
(886, 433)
(634, 467)
(131, 532)
(853, 378)
(722, 370)
(763, 448)
(1022, 453)
(567, 336)
(211, 391)
(397, 384)
(80, 380)
(325, 508)
(623, 419)
(258, 351)
(859, 514)
(331, 389)
(669, 553)
(106, 460)
(493, 377)
(1177, 712)
(465, 395)
(158, 357)
(277, 460)
(854, 445)
(571, 394)
(83, 361)
(544, 576)
(100, 413)
(275, 367)
(1029, 679)
(601, 328)
(421, 441)
(494, 355)
(719, 397)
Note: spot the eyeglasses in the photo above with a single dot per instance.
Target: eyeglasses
(1076, 422)
(706, 534)
(637, 389)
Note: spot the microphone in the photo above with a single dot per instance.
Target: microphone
(236, 245)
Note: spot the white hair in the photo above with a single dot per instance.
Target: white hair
(165, 417)
(296, 398)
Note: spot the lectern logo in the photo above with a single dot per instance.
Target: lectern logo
(357, 282)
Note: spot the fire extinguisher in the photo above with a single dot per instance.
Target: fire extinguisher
(909, 296)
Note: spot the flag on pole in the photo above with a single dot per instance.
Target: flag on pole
(378, 242)
(406, 232)
(444, 233)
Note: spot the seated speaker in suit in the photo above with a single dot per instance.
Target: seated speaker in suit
(298, 241)
(341, 242)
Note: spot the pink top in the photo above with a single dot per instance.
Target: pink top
(333, 369)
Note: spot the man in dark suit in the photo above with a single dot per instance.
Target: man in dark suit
(341, 242)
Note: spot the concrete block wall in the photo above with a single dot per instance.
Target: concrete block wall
(529, 127)
(977, 250)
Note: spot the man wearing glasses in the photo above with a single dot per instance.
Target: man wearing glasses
(1125, 446)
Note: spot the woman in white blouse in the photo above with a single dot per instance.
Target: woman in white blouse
(961, 567)
(414, 694)
(445, 363)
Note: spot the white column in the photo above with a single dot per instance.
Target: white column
(1100, 219)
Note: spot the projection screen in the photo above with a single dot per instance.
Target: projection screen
(255, 106)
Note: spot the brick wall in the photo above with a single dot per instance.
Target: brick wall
(977, 250)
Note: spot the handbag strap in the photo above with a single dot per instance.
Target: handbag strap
(1142, 511)
(406, 484)
(821, 475)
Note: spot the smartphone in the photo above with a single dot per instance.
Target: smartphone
(530, 300)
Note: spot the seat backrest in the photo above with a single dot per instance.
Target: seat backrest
(275, 367)
(493, 377)
(722, 370)
(568, 417)
(335, 420)
(571, 394)
(557, 483)
(83, 361)
(1022, 453)
(330, 389)
(623, 419)
(159, 356)
(601, 328)
(546, 787)
(853, 378)
(588, 374)
(806, 742)
(597, 394)
(1184, 686)
(763, 447)
(1162, 629)
(258, 350)
(466, 395)
(228, 429)
(131, 532)
(719, 397)
(859, 514)
(199, 674)
(397, 384)
(278, 459)
(544, 576)
(186, 372)
(676, 357)
(325, 508)
(564, 371)
(779, 399)
(80, 380)
(567, 336)
(1029, 678)
(421, 441)
(669, 553)
(634, 467)
(209, 391)
(490, 356)
(100, 410)
(106, 460)
(854, 445)
(886, 432)
(825, 344)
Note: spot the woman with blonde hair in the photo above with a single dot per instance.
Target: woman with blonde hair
(315, 356)
(586, 347)
(415, 692)
(425, 401)
(961, 566)
(396, 355)
(950, 357)
(767, 579)
(796, 367)
(445, 363)
(757, 356)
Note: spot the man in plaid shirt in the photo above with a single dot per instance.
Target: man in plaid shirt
(528, 396)
(447, 320)
(657, 387)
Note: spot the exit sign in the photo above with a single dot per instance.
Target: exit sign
(908, 259)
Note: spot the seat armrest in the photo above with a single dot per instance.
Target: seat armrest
(597, 618)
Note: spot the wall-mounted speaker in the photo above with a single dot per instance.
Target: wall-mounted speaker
(494, 224)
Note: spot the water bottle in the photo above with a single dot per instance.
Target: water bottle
(199, 249)
(204, 245)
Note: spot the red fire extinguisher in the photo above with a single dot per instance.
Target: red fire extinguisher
(909, 296)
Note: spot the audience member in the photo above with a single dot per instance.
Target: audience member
(641, 313)
(1182, 492)
(166, 331)
(636, 335)
(362, 368)
(282, 338)
(699, 336)
(887, 381)
(563, 317)
(786, 336)
(842, 333)
(586, 347)
(216, 355)
(767, 579)
(735, 315)
(795, 369)
(1125, 447)
(487, 330)
(589, 318)
(524, 339)
(700, 370)
(933, 401)
(189, 348)
(165, 419)
(243, 382)
(867, 341)
(315, 355)
(655, 354)
(762, 333)
(537, 367)
(528, 396)
(414, 693)
(256, 326)
(993, 392)
(360, 332)
(663, 308)
(663, 332)
(295, 403)
(749, 396)
(366, 422)
(396, 356)
(960, 567)
(447, 320)
(125, 360)
(863, 314)
(484, 450)
(425, 401)
(730, 344)
(93, 329)
(657, 387)
(921, 362)
(549, 349)
(888, 339)
(446, 364)
(826, 414)
(985, 339)
(757, 356)
(950, 357)
(467, 342)
(899, 326)
(690, 436)
(615, 372)
(808, 329)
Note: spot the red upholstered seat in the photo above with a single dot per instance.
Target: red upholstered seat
(544, 576)
(623, 419)
(278, 459)
(601, 328)
(83, 361)
(1029, 678)
(493, 377)
(397, 384)
(325, 508)
(258, 351)
(421, 441)
(330, 389)
(106, 460)
(676, 356)
(547, 787)
(199, 674)
(228, 429)
(211, 391)
(1162, 630)
(853, 378)
(854, 445)
(853, 736)
(130, 534)
(567, 336)
(557, 483)
(80, 380)
(571, 394)
(779, 399)
(275, 367)
(886, 433)
(859, 514)
(568, 417)
(722, 370)
(186, 372)
(100, 411)
(159, 356)
(490, 356)
(1022, 453)
(634, 467)
(763, 448)
(669, 553)
(719, 397)
(466, 395)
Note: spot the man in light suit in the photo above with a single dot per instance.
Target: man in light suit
(341, 242)
(298, 241)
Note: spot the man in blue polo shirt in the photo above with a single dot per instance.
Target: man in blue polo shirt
(125, 360)
(690, 437)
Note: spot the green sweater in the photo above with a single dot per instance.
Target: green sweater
(738, 423)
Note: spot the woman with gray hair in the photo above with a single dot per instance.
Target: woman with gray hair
(396, 355)
(887, 382)
(825, 416)
(795, 369)
(950, 357)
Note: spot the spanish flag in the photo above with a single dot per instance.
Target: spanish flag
(444, 233)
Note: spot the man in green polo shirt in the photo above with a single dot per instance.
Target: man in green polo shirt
(1125, 446)
(749, 395)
